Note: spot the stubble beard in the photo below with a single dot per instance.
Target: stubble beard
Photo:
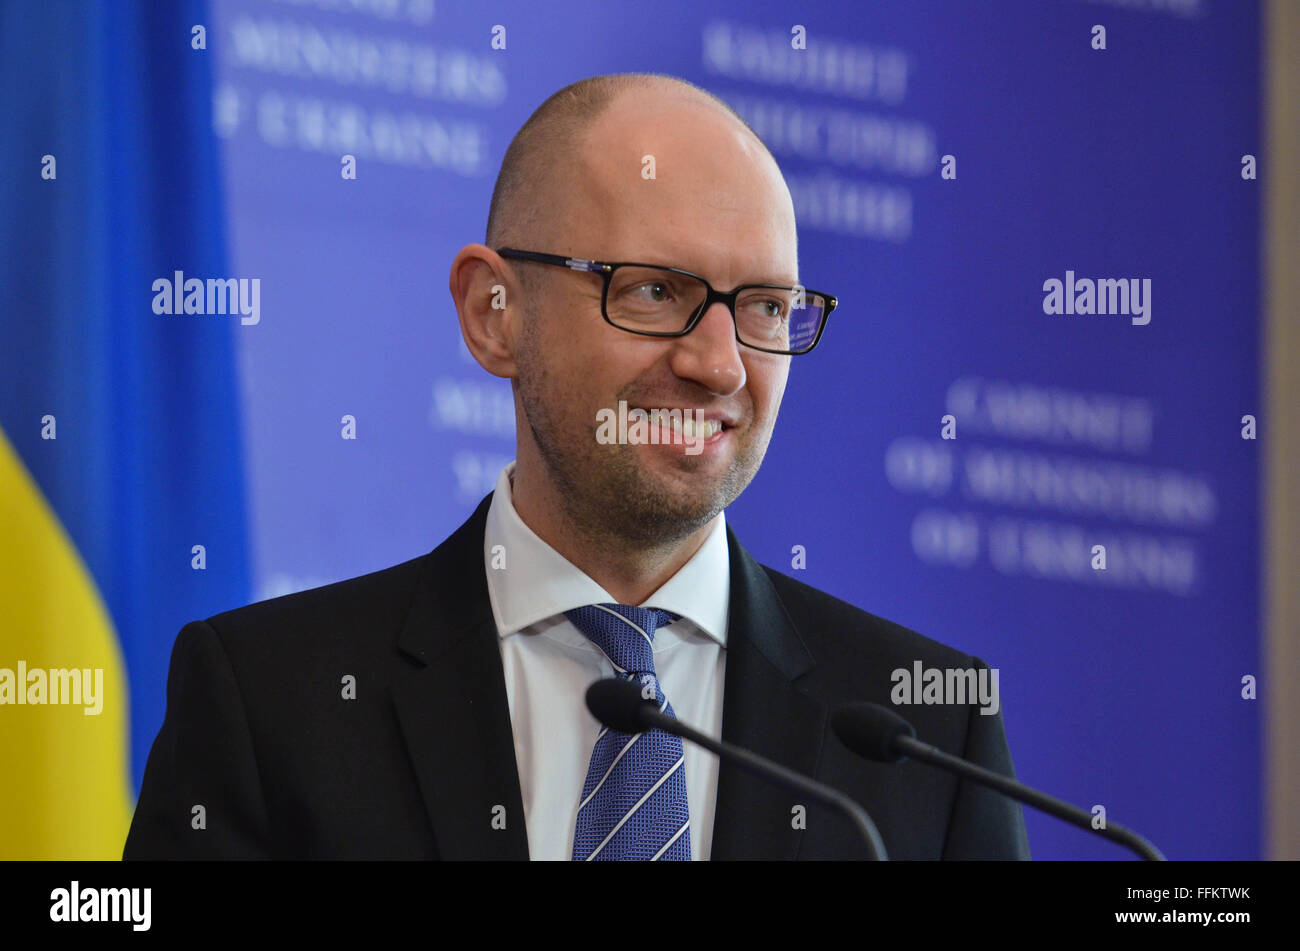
(606, 495)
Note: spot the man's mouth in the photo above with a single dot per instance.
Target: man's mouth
(690, 427)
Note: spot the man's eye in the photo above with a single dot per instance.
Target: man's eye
(655, 292)
(769, 308)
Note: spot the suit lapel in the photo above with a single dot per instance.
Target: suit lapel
(763, 711)
(452, 705)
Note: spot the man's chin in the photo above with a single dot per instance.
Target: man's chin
(677, 504)
(659, 525)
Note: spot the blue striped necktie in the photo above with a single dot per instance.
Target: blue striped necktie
(633, 804)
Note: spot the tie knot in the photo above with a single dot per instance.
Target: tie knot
(623, 632)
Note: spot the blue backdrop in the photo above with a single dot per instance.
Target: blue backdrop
(1120, 687)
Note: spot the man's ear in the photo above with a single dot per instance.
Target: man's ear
(489, 306)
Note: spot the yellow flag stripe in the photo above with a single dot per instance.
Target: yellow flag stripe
(65, 788)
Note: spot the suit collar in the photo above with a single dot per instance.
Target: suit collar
(468, 775)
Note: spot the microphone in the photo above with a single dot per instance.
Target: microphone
(880, 734)
(618, 704)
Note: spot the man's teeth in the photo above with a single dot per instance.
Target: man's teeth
(689, 428)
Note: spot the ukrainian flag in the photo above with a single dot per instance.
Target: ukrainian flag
(121, 481)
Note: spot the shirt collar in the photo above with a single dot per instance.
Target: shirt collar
(538, 582)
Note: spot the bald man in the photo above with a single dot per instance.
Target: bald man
(671, 303)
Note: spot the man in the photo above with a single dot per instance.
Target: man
(465, 734)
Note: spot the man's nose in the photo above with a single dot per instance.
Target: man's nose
(710, 354)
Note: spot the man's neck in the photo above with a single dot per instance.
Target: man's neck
(629, 571)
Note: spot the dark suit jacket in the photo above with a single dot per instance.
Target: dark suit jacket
(417, 766)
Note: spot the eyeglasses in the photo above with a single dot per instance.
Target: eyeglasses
(658, 301)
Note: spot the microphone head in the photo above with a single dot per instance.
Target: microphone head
(871, 730)
(618, 704)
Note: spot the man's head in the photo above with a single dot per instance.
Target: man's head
(575, 182)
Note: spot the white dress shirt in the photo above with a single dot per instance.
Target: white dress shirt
(549, 664)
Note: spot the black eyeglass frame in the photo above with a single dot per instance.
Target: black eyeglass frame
(606, 270)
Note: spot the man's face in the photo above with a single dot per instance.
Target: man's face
(718, 207)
